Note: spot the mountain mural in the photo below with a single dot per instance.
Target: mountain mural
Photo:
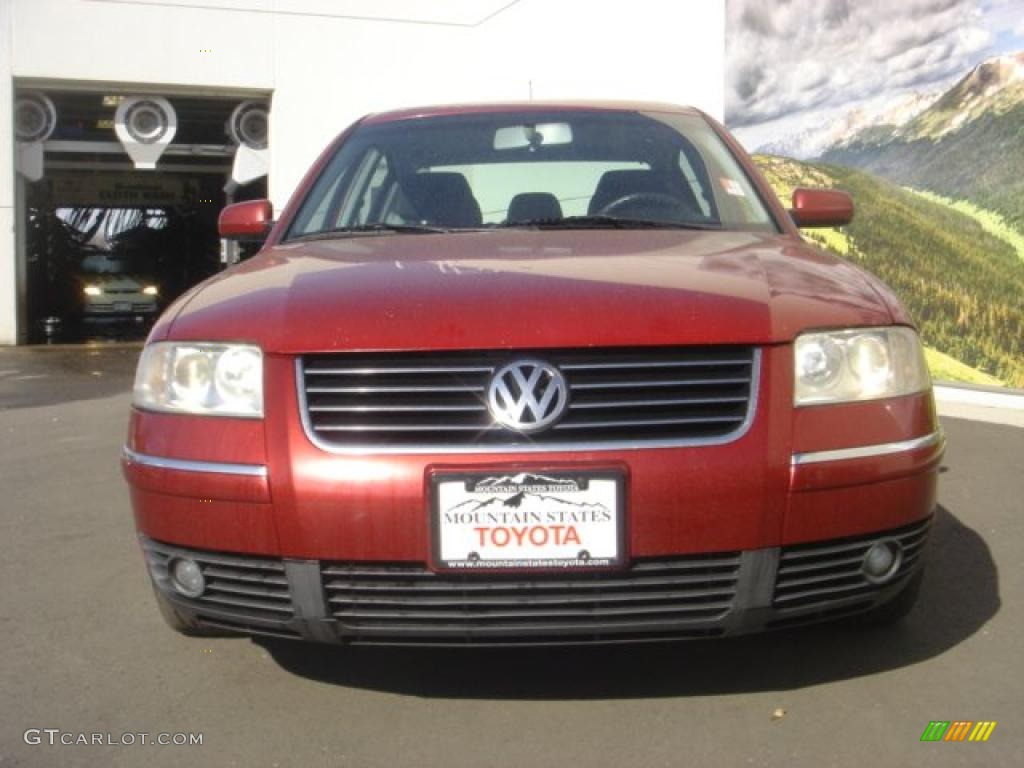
(961, 277)
(822, 135)
(938, 181)
(967, 145)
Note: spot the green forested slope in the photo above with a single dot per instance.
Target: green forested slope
(983, 162)
(964, 286)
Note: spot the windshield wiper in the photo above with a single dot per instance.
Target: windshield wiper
(369, 229)
(609, 222)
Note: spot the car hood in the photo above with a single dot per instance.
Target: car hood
(529, 289)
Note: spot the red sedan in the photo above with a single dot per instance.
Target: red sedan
(529, 374)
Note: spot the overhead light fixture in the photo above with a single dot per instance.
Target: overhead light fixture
(145, 126)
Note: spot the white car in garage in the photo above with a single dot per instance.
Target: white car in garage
(109, 289)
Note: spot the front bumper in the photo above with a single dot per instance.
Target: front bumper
(137, 305)
(694, 596)
(309, 544)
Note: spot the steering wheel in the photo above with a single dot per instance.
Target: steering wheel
(659, 200)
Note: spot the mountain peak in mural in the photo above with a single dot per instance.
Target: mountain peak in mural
(819, 137)
(968, 145)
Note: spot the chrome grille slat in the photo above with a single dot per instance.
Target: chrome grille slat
(657, 383)
(405, 428)
(648, 423)
(397, 371)
(669, 364)
(657, 403)
(628, 397)
(320, 390)
(394, 408)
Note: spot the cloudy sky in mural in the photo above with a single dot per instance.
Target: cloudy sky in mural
(796, 66)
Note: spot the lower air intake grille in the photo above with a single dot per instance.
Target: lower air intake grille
(409, 604)
(238, 585)
(822, 573)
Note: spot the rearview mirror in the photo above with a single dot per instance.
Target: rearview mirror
(821, 208)
(246, 221)
(533, 136)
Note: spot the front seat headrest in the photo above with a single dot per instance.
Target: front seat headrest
(534, 206)
(443, 199)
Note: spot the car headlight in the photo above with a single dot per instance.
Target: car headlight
(151, 290)
(93, 290)
(858, 364)
(190, 377)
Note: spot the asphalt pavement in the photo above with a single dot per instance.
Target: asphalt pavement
(85, 652)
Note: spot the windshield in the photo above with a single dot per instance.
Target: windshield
(532, 169)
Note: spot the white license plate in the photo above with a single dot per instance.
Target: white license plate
(122, 306)
(544, 520)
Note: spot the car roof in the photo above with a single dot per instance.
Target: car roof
(526, 106)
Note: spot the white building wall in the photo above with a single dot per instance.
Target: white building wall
(8, 243)
(327, 62)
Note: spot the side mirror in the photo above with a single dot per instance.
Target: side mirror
(246, 221)
(821, 208)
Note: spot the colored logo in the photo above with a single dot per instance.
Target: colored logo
(958, 730)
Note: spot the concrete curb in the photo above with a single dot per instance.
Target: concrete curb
(994, 405)
(986, 397)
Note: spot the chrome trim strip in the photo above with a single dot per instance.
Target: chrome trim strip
(364, 390)
(649, 364)
(369, 371)
(654, 384)
(867, 451)
(183, 465)
(607, 445)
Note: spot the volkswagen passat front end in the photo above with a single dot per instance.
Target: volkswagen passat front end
(533, 374)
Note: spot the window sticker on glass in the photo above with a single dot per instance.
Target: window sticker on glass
(732, 187)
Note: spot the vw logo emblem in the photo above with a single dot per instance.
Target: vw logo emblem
(527, 395)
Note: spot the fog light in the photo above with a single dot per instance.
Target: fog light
(187, 577)
(882, 561)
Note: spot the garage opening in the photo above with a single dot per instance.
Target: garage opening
(121, 195)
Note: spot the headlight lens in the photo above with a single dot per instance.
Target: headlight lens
(93, 290)
(858, 364)
(151, 290)
(213, 379)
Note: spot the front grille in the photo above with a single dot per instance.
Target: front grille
(616, 397)
(679, 597)
(820, 574)
(250, 588)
